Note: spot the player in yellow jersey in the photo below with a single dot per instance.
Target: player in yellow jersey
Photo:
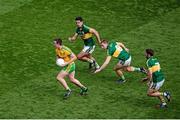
(68, 69)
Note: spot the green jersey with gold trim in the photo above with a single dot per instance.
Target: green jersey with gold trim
(154, 66)
(116, 51)
(85, 35)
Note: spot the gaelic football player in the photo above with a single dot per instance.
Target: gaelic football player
(155, 79)
(86, 33)
(68, 69)
(119, 51)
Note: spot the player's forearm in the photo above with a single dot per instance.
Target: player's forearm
(103, 66)
(72, 60)
(97, 37)
(149, 76)
(73, 38)
(96, 34)
(105, 63)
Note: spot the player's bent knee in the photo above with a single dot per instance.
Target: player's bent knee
(128, 69)
(79, 57)
(149, 94)
(115, 69)
(71, 78)
(59, 78)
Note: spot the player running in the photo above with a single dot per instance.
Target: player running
(68, 69)
(155, 78)
(119, 51)
(86, 33)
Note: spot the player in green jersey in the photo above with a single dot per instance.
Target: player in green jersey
(119, 51)
(86, 33)
(155, 78)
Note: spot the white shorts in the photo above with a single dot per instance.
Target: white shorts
(89, 49)
(157, 85)
(126, 63)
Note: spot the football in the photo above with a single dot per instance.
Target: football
(60, 62)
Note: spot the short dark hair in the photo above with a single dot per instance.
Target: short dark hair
(104, 41)
(58, 41)
(150, 52)
(79, 18)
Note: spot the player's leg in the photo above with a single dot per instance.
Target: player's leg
(71, 75)
(166, 94)
(153, 91)
(121, 76)
(86, 55)
(91, 50)
(90, 64)
(156, 87)
(163, 102)
(135, 69)
(74, 80)
(94, 62)
(78, 83)
(60, 78)
(118, 69)
(129, 68)
(83, 56)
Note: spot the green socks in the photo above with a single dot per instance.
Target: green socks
(122, 77)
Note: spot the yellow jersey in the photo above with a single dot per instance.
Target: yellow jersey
(64, 53)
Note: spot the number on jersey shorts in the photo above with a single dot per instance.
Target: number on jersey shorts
(126, 63)
(88, 49)
(156, 86)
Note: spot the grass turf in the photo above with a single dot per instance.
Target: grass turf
(28, 87)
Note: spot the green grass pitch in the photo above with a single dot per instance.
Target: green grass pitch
(28, 86)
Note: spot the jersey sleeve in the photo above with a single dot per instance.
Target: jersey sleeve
(149, 64)
(86, 28)
(67, 50)
(68, 53)
(109, 52)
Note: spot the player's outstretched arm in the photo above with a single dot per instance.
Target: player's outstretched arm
(106, 62)
(92, 30)
(74, 37)
(149, 76)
